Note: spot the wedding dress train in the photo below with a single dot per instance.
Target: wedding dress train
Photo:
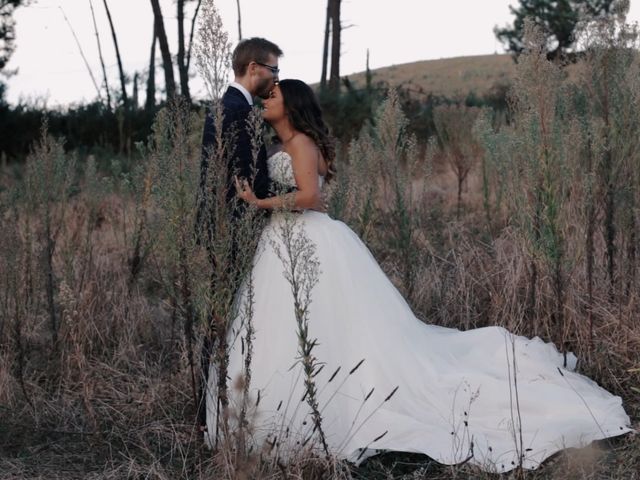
(390, 381)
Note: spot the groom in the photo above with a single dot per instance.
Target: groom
(255, 67)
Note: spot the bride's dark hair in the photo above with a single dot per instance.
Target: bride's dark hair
(304, 112)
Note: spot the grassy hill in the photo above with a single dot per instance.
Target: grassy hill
(452, 77)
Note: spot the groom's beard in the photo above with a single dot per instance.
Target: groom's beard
(264, 87)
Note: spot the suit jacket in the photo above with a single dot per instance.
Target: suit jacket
(236, 111)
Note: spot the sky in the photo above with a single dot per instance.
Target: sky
(49, 68)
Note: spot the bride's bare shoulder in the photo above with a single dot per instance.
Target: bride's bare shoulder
(302, 146)
(302, 143)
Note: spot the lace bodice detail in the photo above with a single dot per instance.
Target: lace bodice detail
(281, 170)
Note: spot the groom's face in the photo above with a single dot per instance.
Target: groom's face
(266, 76)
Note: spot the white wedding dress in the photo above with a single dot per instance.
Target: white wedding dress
(483, 396)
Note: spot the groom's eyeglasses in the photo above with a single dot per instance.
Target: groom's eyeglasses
(274, 70)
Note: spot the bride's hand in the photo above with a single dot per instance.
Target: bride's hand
(244, 191)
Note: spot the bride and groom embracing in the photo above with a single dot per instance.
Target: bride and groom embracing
(449, 394)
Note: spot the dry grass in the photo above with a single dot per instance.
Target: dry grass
(450, 77)
(121, 406)
(118, 403)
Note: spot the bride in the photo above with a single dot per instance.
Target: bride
(341, 363)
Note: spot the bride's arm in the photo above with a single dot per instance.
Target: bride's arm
(304, 157)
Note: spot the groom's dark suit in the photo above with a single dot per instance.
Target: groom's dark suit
(236, 110)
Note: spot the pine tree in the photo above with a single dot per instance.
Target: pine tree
(558, 19)
(7, 29)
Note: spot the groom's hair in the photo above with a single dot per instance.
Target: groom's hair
(254, 49)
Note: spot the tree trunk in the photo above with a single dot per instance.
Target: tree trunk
(167, 65)
(104, 70)
(193, 29)
(182, 66)
(368, 75)
(125, 100)
(325, 50)
(134, 100)
(239, 22)
(150, 101)
(334, 77)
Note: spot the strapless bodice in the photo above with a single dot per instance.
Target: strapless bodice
(281, 170)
